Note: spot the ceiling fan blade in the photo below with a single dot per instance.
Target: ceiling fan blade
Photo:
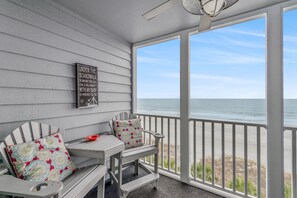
(230, 3)
(192, 6)
(205, 23)
(159, 9)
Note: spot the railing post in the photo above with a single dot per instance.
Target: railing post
(274, 96)
(184, 107)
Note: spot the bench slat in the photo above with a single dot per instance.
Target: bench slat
(26, 131)
(82, 181)
(36, 130)
(17, 134)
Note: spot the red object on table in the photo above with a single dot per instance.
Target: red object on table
(92, 137)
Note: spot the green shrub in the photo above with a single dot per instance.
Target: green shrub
(288, 191)
(172, 163)
(199, 170)
(252, 189)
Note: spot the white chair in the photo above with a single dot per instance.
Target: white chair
(131, 157)
(76, 185)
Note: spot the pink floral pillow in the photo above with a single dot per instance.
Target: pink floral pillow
(45, 159)
(129, 131)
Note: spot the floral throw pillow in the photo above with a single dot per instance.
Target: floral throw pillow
(45, 159)
(129, 131)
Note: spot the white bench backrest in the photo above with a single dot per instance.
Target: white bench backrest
(29, 131)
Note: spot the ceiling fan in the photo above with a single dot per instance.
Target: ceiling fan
(208, 9)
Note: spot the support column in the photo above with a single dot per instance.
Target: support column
(184, 106)
(274, 95)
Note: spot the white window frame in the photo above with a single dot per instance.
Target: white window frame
(274, 90)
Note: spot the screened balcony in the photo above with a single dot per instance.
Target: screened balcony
(248, 53)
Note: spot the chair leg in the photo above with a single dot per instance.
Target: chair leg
(136, 165)
(101, 188)
(124, 195)
(120, 168)
(112, 167)
(156, 185)
(55, 196)
(156, 170)
(156, 163)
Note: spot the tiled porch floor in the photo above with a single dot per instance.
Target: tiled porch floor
(168, 188)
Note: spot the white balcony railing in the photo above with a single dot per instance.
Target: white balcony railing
(225, 155)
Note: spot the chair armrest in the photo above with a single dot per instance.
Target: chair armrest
(13, 186)
(3, 170)
(156, 135)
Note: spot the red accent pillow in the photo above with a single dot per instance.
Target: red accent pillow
(129, 131)
(45, 159)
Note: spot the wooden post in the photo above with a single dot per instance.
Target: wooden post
(184, 107)
(274, 95)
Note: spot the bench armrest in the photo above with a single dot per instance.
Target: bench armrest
(3, 170)
(156, 135)
(13, 186)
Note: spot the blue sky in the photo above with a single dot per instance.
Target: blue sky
(225, 63)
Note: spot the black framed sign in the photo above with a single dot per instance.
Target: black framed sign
(87, 86)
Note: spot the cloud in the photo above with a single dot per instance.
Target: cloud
(226, 40)
(290, 38)
(224, 79)
(159, 61)
(210, 56)
(290, 50)
(244, 32)
(241, 43)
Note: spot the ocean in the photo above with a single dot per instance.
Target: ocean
(247, 110)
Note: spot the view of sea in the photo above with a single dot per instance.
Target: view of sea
(247, 110)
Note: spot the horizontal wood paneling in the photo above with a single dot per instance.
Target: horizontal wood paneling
(40, 42)
(50, 67)
(29, 48)
(75, 126)
(31, 80)
(11, 26)
(27, 112)
(47, 17)
(16, 96)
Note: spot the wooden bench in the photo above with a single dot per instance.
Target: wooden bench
(76, 185)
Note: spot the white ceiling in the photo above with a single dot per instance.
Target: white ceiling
(124, 17)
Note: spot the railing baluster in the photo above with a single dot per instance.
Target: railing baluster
(258, 162)
(194, 153)
(168, 125)
(223, 155)
(144, 134)
(156, 126)
(234, 156)
(175, 120)
(162, 146)
(294, 164)
(156, 131)
(144, 127)
(150, 137)
(212, 154)
(211, 127)
(203, 151)
(245, 160)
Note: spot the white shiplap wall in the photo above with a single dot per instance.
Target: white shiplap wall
(40, 42)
